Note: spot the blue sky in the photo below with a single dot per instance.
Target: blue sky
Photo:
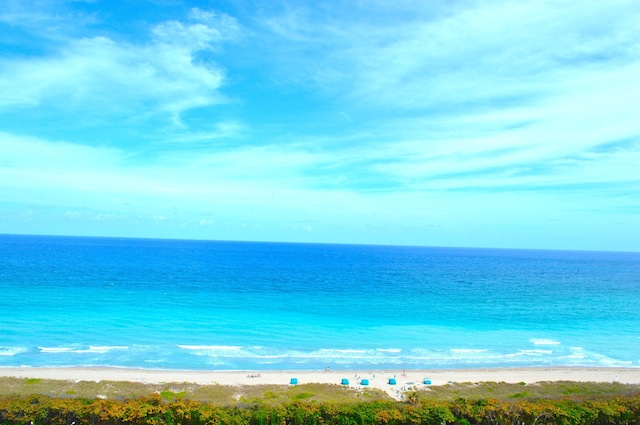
(443, 123)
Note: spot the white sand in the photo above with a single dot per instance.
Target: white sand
(377, 379)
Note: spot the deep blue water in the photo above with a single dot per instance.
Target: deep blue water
(175, 304)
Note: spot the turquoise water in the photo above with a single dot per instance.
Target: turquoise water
(172, 304)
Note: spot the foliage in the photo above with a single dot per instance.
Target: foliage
(416, 410)
(217, 394)
(504, 390)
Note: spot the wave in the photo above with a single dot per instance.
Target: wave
(12, 351)
(231, 357)
(582, 357)
(543, 341)
(104, 348)
(55, 349)
(575, 353)
(98, 349)
(531, 353)
(210, 347)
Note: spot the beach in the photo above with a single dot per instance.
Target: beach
(404, 379)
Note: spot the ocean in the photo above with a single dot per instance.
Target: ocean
(209, 305)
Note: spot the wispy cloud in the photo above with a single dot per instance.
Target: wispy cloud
(456, 53)
(493, 90)
(108, 77)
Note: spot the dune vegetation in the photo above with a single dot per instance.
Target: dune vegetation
(52, 402)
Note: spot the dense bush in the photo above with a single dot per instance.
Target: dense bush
(154, 410)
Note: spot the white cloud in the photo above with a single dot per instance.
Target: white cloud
(467, 55)
(18, 152)
(37, 169)
(100, 75)
(500, 95)
(221, 130)
(276, 195)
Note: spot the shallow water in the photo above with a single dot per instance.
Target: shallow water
(234, 305)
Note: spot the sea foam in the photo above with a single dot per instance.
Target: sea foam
(98, 349)
(543, 341)
(12, 351)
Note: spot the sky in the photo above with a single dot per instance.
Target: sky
(500, 124)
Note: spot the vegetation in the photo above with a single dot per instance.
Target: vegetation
(538, 390)
(23, 401)
(220, 395)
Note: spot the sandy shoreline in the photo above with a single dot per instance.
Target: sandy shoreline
(376, 379)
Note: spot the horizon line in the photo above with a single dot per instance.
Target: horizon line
(151, 238)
